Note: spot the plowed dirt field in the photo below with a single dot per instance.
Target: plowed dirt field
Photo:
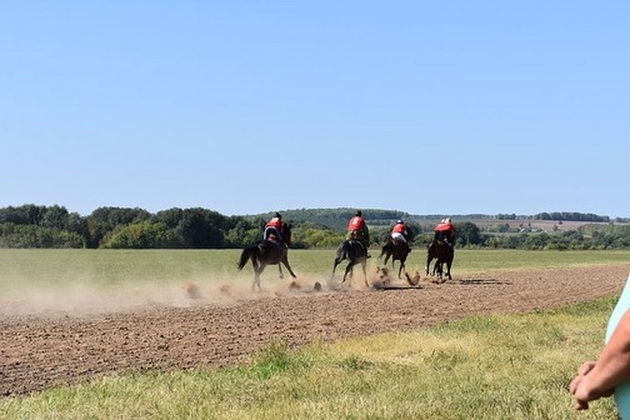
(37, 352)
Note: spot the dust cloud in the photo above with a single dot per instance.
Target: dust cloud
(80, 296)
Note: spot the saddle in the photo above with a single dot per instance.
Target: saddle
(365, 248)
(434, 243)
(276, 242)
(396, 241)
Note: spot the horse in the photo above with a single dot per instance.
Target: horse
(444, 254)
(268, 252)
(355, 252)
(397, 250)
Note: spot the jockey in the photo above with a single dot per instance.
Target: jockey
(274, 227)
(400, 233)
(445, 231)
(357, 229)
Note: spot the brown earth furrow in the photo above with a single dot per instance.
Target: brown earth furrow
(38, 352)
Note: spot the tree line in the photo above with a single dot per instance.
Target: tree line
(33, 226)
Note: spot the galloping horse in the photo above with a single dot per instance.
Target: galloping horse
(397, 250)
(355, 252)
(444, 254)
(268, 252)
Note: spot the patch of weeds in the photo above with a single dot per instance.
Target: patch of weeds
(447, 359)
(277, 358)
(587, 309)
(474, 324)
(355, 363)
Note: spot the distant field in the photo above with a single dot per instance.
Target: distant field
(21, 269)
(496, 367)
(544, 225)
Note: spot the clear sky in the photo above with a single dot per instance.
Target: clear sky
(427, 107)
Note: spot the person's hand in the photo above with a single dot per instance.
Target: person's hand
(582, 371)
(582, 389)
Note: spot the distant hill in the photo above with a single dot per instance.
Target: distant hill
(337, 218)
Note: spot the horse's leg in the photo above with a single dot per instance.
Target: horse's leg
(257, 272)
(429, 259)
(449, 262)
(387, 255)
(335, 264)
(280, 269)
(285, 261)
(256, 275)
(348, 270)
(338, 261)
(363, 264)
(400, 270)
(339, 257)
(441, 272)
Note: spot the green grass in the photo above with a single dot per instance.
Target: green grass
(49, 268)
(160, 265)
(499, 367)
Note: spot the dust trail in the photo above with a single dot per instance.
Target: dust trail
(80, 294)
(80, 298)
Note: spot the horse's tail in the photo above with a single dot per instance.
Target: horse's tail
(386, 248)
(249, 252)
(342, 251)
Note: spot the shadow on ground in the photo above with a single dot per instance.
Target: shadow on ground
(483, 282)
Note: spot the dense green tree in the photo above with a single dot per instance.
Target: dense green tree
(33, 236)
(536, 241)
(200, 228)
(105, 219)
(170, 217)
(468, 234)
(141, 235)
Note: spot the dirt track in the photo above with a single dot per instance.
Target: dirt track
(36, 353)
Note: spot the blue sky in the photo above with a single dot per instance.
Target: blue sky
(428, 107)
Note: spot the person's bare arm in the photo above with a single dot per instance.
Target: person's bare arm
(612, 367)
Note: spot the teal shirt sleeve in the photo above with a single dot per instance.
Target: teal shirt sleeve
(622, 391)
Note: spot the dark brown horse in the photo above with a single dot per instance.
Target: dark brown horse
(397, 251)
(444, 254)
(268, 252)
(355, 252)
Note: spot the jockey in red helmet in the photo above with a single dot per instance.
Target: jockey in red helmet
(357, 229)
(445, 231)
(400, 233)
(274, 227)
